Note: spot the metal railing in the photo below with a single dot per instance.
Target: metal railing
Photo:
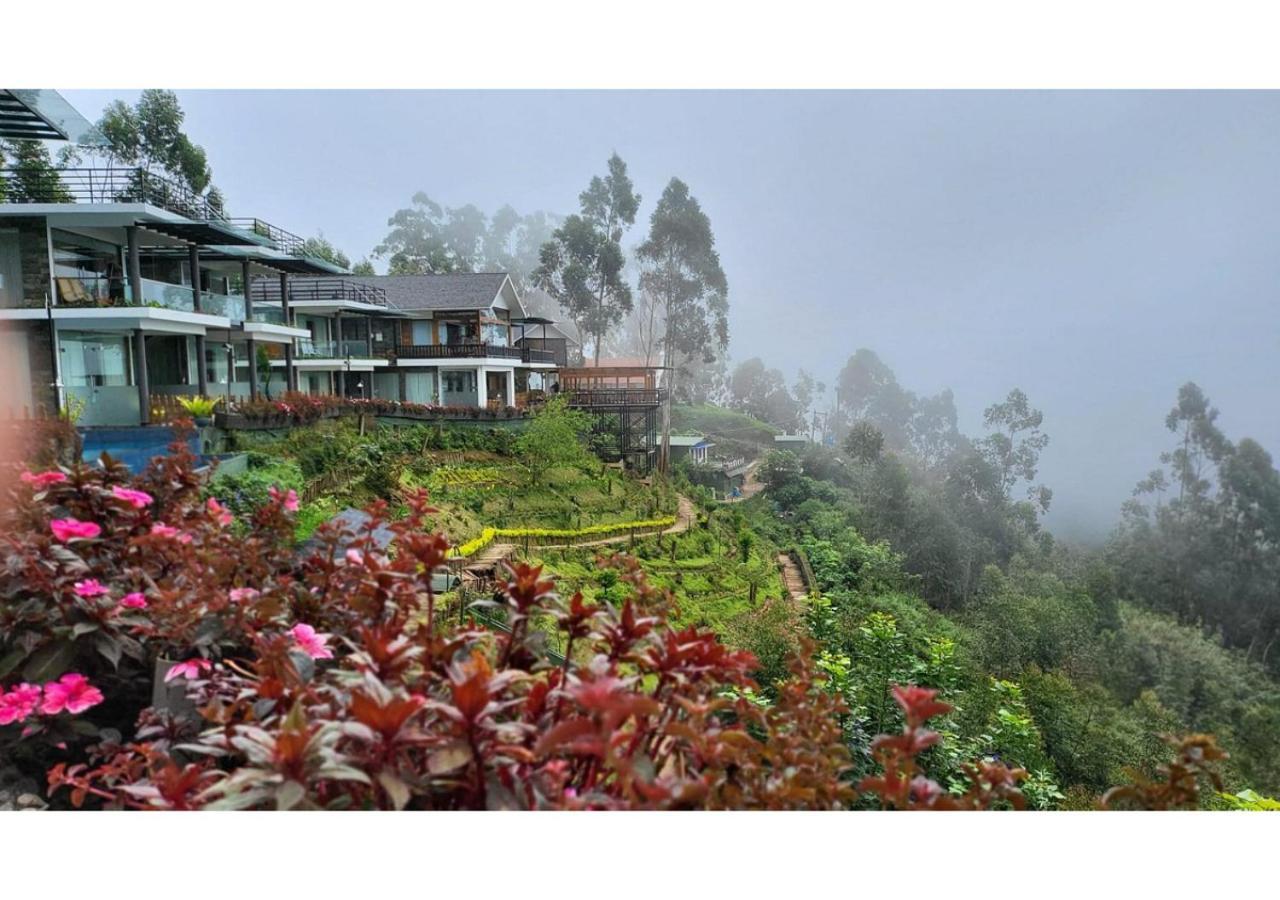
(597, 398)
(107, 185)
(530, 355)
(467, 350)
(285, 241)
(318, 290)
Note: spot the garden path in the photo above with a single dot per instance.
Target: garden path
(792, 580)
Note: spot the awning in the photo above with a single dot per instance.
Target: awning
(43, 115)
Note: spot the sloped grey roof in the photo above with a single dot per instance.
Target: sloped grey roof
(550, 332)
(472, 290)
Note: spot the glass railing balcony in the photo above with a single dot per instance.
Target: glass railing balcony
(271, 315)
(332, 350)
(229, 305)
(163, 294)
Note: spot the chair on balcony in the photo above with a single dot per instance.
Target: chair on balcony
(72, 292)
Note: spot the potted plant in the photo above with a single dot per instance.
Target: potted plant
(200, 408)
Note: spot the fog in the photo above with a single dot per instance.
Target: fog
(1095, 249)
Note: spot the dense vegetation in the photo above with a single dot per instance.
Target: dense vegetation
(1060, 678)
(928, 547)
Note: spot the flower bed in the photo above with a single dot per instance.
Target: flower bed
(539, 536)
(303, 409)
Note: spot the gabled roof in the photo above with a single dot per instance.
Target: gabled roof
(690, 440)
(550, 332)
(471, 290)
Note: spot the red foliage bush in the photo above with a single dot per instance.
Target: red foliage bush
(413, 712)
(297, 408)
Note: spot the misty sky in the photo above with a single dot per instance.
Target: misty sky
(1095, 249)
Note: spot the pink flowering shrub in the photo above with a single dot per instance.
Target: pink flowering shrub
(105, 572)
(72, 693)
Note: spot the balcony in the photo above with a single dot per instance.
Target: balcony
(530, 355)
(332, 350)
(464, 350)
(320, 290)
(614, 398)
(95, 185)
(284, 241)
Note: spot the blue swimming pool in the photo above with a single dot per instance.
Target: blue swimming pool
(132, 446)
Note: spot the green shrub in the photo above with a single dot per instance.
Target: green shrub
(249, 490)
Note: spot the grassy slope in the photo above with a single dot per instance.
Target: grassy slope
(733, 432)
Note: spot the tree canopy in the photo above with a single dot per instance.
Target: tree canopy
(427, 238)
(149, 134)
(581, 266)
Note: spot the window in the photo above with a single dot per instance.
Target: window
(94, 360)
(495, 334)
(86, 270)
(10, 269)
(458, 382)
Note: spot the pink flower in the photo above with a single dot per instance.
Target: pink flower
(136, 600)
(139, 499)
(220, 511)
(66, 529)
(91, 587)
(313, 644)
(168, 531)
(355, 557)
(289, 499)
(189, 669)
(71, 692)
(43, 479)
(18, 703)
(239, 595)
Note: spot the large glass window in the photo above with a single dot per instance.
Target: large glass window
(420, 387)
(86, 271)
(457, 332)
(495, 334)
(10, 269)
(94, 360)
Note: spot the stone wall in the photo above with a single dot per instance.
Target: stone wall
(33, 249)
(40, 358)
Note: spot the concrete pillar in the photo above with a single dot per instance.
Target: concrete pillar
(482, 389)
(253, 369)
(231, 369)
(202, 374)
(403, 386)
(140, 375)
(193, 257)
(134, 264)
(246, 278)
(291, 374)
(511, 387)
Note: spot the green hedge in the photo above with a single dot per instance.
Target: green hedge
(538, 535)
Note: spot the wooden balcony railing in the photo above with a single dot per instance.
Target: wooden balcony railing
(604, 398)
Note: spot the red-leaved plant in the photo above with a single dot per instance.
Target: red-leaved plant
(251, 675)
